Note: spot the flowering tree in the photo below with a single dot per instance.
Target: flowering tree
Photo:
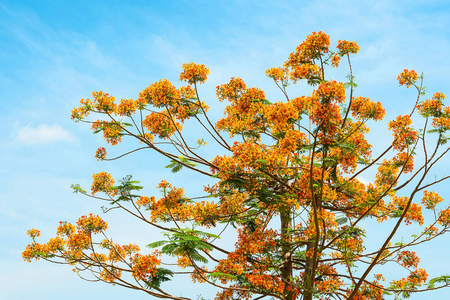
(289, 184)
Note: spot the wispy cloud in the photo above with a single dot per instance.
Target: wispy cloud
(43, 134)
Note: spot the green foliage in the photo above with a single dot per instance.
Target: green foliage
(125, 188)
(77, 189)
(185, 242)
(161, 276)
(176, 166)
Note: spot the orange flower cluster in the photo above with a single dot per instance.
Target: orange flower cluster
(36, 250)
(335, 60)
(161, 124)
(407, 78)
(444, 217)
(77, 240)
(265, 282)
(193, 73)
(346, 47)
(418, 277)
(184, 262)
(127, 107)
(160, 94)
(145, 201)
(100, 154)
(330, 91)
(65, 229)
(408, 259)
(301, 62)
(187, 92)
(206, 213)
(245, 113)
(110, 275)
(172, 206)
(112, 131)
(431, 199)
(77, 243)
(231, 91)
(371, 291)
(431, 107)
(403, 134)
(102, 183)
(398, 205)
(145, 266)
(442, 122)
(415, 279)
(386, 175)
(356, 147)
(329, 283)
(281, 116)
(74, 244)
(103, 102)
(91, 224)
(351, 246)
(305, 71)
(78, 113)
(328, 117)
(33, 233)
(431, 231)
(363, 108)
(316, 44)
(405, 160)
(277, 74)
(254, 241)
(292, 141)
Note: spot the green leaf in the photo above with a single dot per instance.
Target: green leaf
(157, 244)
(77, 189)
(444, 279)
(341, 220)
(185, 242)
(176, 166)
(218, 275)
(161, 275)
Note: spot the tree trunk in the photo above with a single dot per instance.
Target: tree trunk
(309, 276)
(286, 269)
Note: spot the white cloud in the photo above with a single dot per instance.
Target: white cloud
(43, 134)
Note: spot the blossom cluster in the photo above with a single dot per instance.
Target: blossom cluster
(407, 78)
(194, 73)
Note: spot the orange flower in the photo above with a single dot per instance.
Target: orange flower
(103, 102)
(193, 73)
(160, 94)
(91, 224)
(100, 154)
(160, 124)
(316, 44)
(364, 108)
(431, 199)
(407, 78)
(33, 233)
(112, 131)
(127, 107)
(277, 74)
(144, 266)
(346, 47)
(404, 135)
(408, 259)
(102, 183)
(335, 60)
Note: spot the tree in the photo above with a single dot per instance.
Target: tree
(289, 184)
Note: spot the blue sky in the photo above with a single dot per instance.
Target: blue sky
(53, 53)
